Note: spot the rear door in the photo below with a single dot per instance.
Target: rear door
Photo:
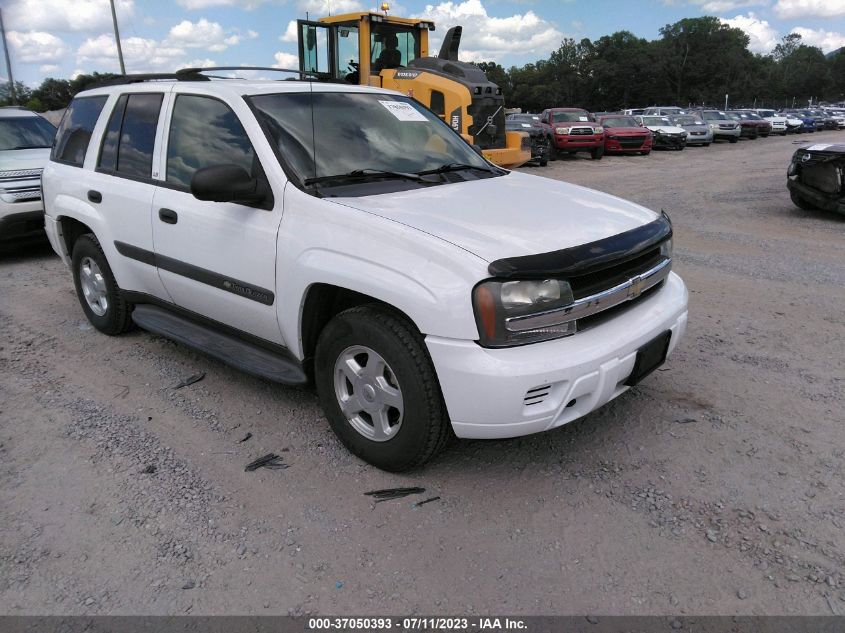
(216, 259)
(121, 186)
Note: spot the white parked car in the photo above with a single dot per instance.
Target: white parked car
(25, 139)
(780, 123)
(665, 133)
(347, 236)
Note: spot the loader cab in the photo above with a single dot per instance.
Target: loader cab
(356, 47)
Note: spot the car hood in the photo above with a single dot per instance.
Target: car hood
(508, 216)
(701, 127)
(666, 129)
(24, 158)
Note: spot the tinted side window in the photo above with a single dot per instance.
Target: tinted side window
(75, 130)
(205, 132)
(108, 153)
(138, 134)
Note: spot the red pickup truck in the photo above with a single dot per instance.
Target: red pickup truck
(572, 130)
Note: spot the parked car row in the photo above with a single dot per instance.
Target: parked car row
(557, 131)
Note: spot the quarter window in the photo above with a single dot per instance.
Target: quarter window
(205, 132)
(75, 130)
(108, 153)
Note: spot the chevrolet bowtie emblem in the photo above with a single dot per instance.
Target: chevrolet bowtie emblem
(636, 288)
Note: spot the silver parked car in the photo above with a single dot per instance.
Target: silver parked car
(722, 126)
(698, 132)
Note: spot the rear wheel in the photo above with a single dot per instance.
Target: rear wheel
(379, 390)
(800, 202)
(98, 292)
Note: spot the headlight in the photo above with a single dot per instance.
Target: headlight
(561, 130)
(666, 249)
(598, 130)
(504, 311)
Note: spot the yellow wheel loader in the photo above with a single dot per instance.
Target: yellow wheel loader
(373, 49)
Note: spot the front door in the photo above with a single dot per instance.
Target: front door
(217, 260)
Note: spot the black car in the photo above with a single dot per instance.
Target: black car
(816, 177)
(530, 123)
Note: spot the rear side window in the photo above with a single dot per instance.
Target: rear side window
(75, 130)
(205, 132)
(130, 136)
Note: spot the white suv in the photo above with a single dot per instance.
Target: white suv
(25, 139)
(346, 235)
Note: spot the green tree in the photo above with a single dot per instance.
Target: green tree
(22, 92)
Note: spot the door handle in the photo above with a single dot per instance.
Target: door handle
(168, 216)
(95, 196)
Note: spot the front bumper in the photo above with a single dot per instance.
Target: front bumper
(486, 390)
(623, 145)
(699, 138)
(578, 142)
(826, 202)
(661, 140)
(21, 220)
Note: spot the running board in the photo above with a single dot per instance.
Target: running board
(240, 354)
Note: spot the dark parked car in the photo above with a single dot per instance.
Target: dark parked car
(764, 128)
(623, 135)
(572, 130)
(816, 177)
(530, 123)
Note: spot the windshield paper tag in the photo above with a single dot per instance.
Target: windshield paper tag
(403, 111)
(818, 148)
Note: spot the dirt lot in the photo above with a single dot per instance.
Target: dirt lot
(714, 487)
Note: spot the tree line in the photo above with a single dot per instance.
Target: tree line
(696, 61)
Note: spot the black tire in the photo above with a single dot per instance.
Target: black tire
(646, 153)
(425, 427)
(706, 145)
(117, 317)
(734, 139)
(552, 149)
(800, 202)
(597, 152)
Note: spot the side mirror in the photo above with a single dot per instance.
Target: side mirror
(228, 183)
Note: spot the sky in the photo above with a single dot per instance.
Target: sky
(62, 38)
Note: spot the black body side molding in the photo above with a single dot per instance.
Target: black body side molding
(586, 258)
(231, 350)
(202, 275)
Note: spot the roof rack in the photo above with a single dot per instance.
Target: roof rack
(194, 74)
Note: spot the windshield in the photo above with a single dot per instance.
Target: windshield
(656, 120)
(561, 117)
(619, 121)
(687, 120)
(360, 131)
(713, 116)
(767, 113)
(25, 133)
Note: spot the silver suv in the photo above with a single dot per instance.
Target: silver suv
(25, 140)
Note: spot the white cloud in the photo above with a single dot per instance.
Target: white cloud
(490, 38)
(49, 68)
(721, 6)
(199, 63)
(204, 34)
(286, 60)
(825, 40)
(205, 4)
(320, 8)
(290, 34)
(762, 35)
(810, 8)
(36, 46)
(140, 54)
(63, 15)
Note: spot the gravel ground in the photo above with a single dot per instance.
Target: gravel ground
(715, 487)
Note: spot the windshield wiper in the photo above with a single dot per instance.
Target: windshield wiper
(453, 167)
(362, 174)
(30, 147)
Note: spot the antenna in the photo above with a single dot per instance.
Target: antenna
(117, 39)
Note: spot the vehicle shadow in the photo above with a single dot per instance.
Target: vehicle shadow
(35, 248)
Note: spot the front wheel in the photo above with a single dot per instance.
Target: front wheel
(379, 390)
(597, 152)
(97, 289)
(734, 139)
(552, 150)
(646, 153)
